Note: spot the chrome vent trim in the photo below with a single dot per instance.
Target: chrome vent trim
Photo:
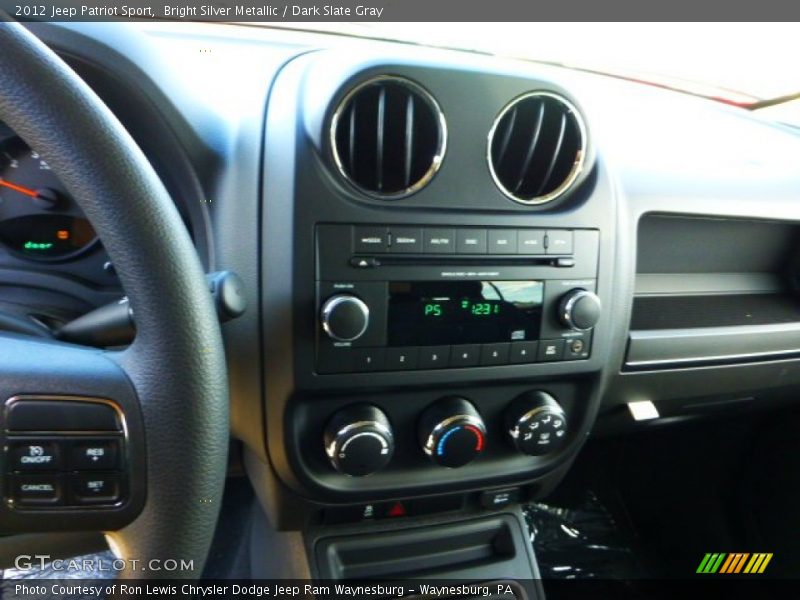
(536, 148)
(409, 133)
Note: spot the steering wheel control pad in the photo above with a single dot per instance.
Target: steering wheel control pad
(65, 452)
(70, 462)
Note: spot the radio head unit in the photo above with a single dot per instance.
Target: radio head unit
(382, 310)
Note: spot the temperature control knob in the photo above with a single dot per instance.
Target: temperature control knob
(359, 440)
(452, 432)
(344, 317)
(536, 424)
(579, 309)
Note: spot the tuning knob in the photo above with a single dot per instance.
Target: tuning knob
(344, 317)
(536, 424)
(579, 309)
(359, 440)
(452, 432)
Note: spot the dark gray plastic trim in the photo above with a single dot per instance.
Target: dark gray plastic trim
(675, 347)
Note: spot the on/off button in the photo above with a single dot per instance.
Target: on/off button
(35, 456)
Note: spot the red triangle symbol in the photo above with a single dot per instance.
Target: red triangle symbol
(397, 510)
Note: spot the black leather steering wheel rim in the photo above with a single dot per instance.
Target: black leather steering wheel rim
(176, 364)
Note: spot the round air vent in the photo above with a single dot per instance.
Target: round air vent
(537, 147)
(388, 137)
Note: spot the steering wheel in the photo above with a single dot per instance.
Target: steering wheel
(170, 383)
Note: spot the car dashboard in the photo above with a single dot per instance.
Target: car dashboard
(459, 267)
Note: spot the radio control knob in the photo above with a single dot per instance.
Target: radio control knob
(359, 440)
(536, 424)
(452, 432)
(579, 309)
(344, 317)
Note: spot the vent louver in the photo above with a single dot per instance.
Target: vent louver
(388, 137)
(537, 147)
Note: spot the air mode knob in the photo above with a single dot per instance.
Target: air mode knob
(452, 432)
(359, 440)
(579, 309)
(344, 317)
(536, 424)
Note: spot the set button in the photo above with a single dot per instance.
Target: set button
(100, 488)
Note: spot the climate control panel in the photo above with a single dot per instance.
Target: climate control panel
(359, 440)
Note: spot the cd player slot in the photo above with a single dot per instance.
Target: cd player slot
(364, 262)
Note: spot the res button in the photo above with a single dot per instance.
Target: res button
(95, 455)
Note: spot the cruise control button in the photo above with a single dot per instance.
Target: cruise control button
(551, 350)
(401, 359)
(523, 352)
(494, 354)
(100, 488)
(370, 239)
(406, 240)
(95, 455)
(35, 489)
(439, 241)
(471, 241)
(434, 357)
(35, 456)
(559, 241)
(466, 355)
(530, 242)
(502, 241)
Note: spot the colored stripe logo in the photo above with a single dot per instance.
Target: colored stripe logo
(734, 563)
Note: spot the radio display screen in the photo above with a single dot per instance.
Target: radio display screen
(431, 313)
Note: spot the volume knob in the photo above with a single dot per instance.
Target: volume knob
(344, 317)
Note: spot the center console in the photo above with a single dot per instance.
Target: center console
(436, 290)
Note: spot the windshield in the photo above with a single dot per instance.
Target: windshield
(739, 63)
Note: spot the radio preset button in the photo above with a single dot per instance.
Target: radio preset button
(530, 241)
(523, 352)
(368, 359)
(434, 357)
(439, 241)
(502, 241)
(559, 241)
(494, 354)
(550, 350)
(471, 241)
(401, 359)
(406, 240)
(371, 239)
(465, 355)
